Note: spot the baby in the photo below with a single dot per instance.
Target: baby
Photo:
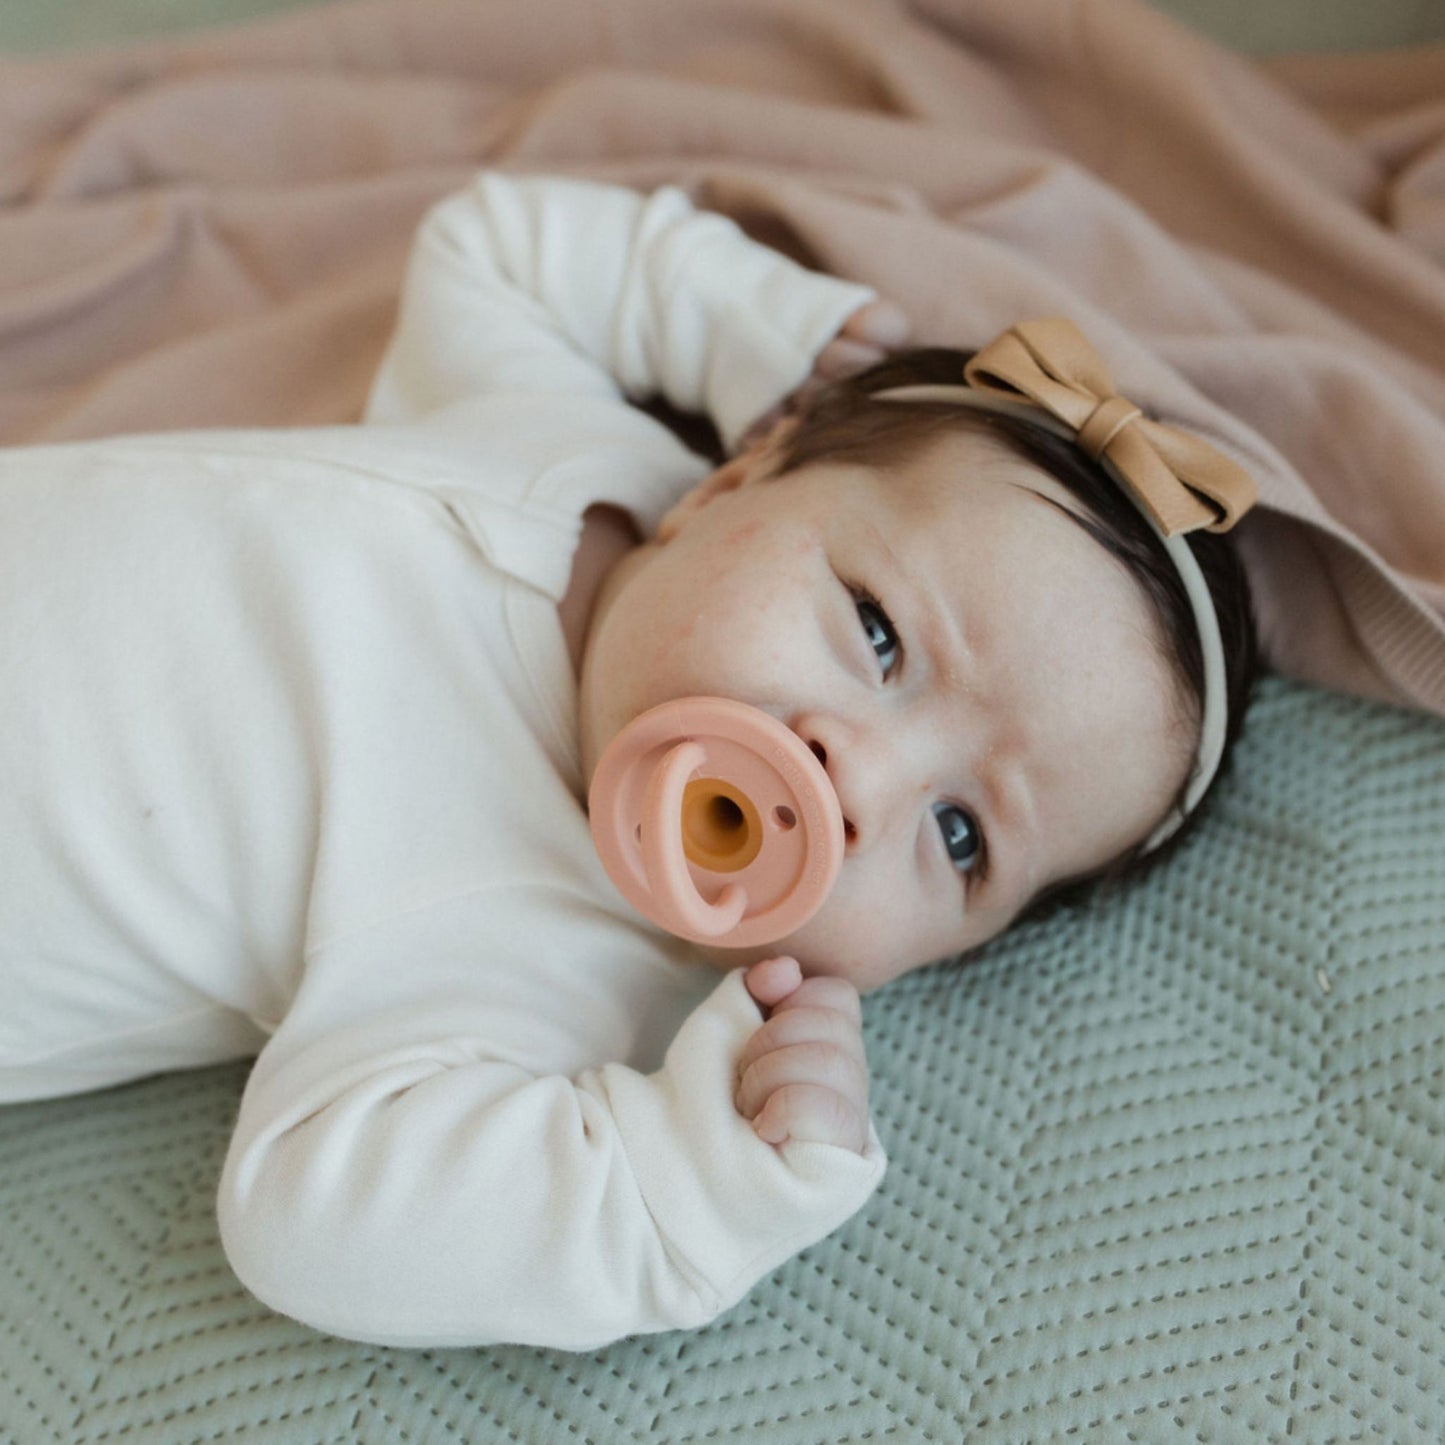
(300, 727)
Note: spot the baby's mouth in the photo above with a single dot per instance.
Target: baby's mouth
(717, 822)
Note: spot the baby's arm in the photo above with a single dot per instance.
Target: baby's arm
(540, 284)
(420, 1161)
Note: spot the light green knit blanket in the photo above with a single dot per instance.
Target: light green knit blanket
(1169, 1168)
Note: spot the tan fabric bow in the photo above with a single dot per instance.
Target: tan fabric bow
(1178, 478)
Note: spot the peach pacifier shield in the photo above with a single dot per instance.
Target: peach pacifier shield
(716, 822)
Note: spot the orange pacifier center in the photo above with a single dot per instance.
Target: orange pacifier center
(716, 822)
(721, 829)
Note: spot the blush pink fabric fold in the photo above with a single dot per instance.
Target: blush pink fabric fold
(211, 231)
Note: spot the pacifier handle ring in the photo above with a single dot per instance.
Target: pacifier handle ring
(663, 857)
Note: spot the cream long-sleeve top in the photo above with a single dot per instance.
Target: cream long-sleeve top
(290, 762)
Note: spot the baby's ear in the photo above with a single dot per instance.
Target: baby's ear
(757, 460)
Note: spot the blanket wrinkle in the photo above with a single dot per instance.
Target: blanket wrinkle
(1415, 202)
(211, 230)
(236, 131)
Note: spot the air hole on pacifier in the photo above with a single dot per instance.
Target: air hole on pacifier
(785, 818)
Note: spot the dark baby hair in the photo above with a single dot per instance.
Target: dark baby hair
(841, 422)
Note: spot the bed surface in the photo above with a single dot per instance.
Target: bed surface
(1169, 1168)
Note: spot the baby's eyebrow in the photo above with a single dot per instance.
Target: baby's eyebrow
(1010, 806)
(1011, 811)
(1009, 800)
(880, 541)
(1078, 518)
(945, 637)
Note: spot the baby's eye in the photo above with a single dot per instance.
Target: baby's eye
(881, 635)
(961, 835)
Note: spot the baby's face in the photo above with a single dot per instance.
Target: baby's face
(983, 682)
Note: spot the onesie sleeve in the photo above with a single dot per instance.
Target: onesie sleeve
(541, 284)
(408, 1170)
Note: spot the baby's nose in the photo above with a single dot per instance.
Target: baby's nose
(883, 767)
(850, 831)
(878, 769)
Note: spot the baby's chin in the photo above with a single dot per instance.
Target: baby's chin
(857, 972)
(726, 959)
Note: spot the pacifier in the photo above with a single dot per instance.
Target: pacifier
(716, 821)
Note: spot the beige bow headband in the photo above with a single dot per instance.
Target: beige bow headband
(1045, 372)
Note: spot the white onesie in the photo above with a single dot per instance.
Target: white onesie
(289, 763)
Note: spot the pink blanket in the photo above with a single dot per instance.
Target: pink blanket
(211, 232)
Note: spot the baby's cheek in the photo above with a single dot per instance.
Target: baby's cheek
(671, 646)
(674, 654)
(723, 643)
(849, 936)
(748, 532)
(874, 937)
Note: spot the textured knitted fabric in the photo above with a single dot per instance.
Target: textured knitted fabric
(1164, 1168)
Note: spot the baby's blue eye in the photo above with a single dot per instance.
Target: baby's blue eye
(881, 636)
(961, 835)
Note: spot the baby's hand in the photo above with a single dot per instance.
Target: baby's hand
(869, 335)
(804, 1073)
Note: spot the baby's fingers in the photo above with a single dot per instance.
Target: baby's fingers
(773, 979)
(814, 1062)
(792, 1026)
(825, 991)
(841, 357)
(880, 323)
(815, 1114)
